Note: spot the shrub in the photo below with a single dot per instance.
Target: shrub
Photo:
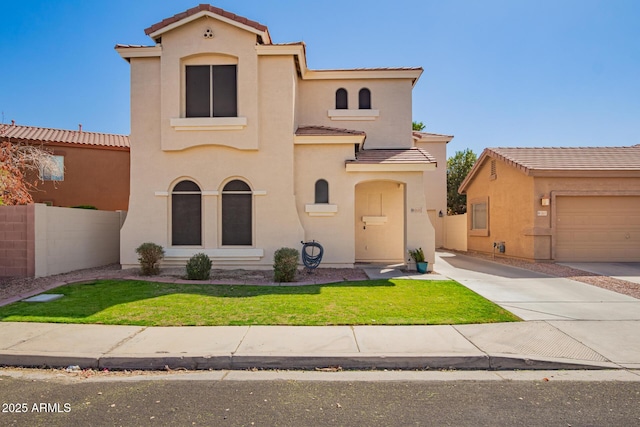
(199, 267)
(85, 207)
(285, 264)
(149, 255)
(417, 255)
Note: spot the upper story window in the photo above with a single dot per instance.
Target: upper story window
(322, 191)
(211, 91)
(364, 99)
(53, 171)
(341, 99)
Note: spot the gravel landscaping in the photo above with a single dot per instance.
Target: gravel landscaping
(12, 288)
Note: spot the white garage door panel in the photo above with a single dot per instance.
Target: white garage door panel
(598, 228)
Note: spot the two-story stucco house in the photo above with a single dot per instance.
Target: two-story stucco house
(238, 149)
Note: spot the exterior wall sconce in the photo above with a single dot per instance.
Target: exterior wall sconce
(440, 214)
(544, 201)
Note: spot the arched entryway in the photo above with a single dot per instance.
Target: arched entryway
(380, 222)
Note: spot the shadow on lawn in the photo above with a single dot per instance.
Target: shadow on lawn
(82, 300)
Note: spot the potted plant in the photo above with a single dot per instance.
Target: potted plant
(418, 257)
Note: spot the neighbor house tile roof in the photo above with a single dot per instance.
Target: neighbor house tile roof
(562, 161)
(394, 156)
(326, 131)
(569, 158)
(204, 8)
(33, 134)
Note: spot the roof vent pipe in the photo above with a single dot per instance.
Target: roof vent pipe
(79, 127)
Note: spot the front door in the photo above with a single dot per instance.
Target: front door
(379, 210)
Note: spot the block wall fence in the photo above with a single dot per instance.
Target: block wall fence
(38, 240)
(455, 232)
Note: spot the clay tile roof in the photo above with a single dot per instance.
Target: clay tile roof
(423, 134)
(394, 156)
(326, 131)
(200, 8)
(130, 46)
(570, 158)
(46, 135)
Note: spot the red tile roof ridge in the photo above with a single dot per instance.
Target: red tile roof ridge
(394, 155)
(419, 133)
(325, 130)
(204, 8)
(570, 158)
(51, 135)
(130, 46)
(371, 69)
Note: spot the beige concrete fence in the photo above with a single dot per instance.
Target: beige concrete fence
(38, 240)
(455, 232)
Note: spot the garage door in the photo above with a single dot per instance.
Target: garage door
(598, 228)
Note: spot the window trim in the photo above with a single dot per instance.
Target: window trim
(475, 202)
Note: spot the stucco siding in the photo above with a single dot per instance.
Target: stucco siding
(392, 98)
(511, 210)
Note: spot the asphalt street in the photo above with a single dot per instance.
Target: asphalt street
(544, 401)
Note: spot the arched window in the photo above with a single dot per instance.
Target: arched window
(186, 214)
(364, 99)
(237, 199)
(322, 191)
(341, 99)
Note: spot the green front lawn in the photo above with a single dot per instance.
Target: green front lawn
(372, 302)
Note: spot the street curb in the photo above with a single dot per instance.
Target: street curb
(302, 362)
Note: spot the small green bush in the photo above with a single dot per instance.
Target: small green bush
(85, 207)
(285, 264)
(199, 267)
(149, 255)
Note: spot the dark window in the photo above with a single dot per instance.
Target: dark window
(237, 202)
(341, 99)
(322, 191)
(211, 91)
(186, 214)
(364, 99)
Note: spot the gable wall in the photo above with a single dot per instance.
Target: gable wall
(392, 129)
(511, 209)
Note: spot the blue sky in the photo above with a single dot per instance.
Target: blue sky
(497, 72)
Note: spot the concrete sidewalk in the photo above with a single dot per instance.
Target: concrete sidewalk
(525, 345)
(569, 325)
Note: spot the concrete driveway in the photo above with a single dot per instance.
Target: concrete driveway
(629, 271)
(536, 296)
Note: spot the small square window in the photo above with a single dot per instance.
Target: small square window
(53, 171)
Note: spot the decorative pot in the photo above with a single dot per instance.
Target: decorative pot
(422, 267)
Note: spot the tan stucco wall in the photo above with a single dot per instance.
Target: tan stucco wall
(264, 154)
(455, 232)
(516, 213)
(391, 97)
(39, 240)
(511, 210)
(185, 45)
(435, 188)
(92, 176)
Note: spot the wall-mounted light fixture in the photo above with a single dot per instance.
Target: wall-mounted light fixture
(544, 201)
(440, 214)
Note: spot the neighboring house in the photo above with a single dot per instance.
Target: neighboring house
(239, 149)
(93, 167)
(560, 204)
